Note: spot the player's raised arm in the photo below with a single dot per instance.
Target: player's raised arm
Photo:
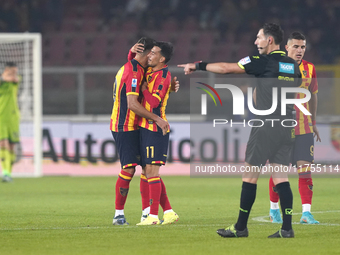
(220, 68)
(10, 73)
(137, 48)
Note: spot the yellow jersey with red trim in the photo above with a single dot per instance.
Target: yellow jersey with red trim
(159, 86)
(127, 82)
(309, 81)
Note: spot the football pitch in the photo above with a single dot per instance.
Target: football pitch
(73, 215)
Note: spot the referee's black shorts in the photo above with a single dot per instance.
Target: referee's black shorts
(270, 143)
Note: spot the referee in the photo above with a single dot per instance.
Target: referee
(272, 68)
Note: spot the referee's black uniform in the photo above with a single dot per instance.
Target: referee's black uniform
(272, 141)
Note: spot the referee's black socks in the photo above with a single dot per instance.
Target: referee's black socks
(286, 202)
(248, 195)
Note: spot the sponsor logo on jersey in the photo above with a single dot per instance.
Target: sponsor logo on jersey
(286, 67)
(304, 72)
(134, 83)
(285, 78)
(245, 61)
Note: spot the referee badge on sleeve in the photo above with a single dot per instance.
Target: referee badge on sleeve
(245, 61)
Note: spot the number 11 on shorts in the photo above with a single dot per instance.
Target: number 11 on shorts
(151, 149)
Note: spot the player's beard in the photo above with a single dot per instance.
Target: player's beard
(151, 65)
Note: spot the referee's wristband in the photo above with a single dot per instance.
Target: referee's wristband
(313, 122)
(201, 66)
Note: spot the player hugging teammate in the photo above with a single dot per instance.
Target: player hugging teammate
(140, 128)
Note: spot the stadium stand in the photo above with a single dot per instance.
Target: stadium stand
(177, 21)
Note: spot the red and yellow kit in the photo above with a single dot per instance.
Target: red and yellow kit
(127, 82)
(159, 87)
(309, 82)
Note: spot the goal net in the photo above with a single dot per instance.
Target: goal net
(25, 50)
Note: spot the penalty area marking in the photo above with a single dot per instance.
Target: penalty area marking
(266, 218)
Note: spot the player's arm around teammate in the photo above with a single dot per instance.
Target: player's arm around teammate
(154, 145)
(169, 215)
(137, 51)
(135, 106)
(126, 112)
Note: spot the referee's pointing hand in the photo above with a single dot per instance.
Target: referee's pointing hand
(189, 68)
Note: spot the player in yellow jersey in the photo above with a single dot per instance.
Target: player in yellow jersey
(169, 216)
(124, 122)
(154, 145)
(303, 153)
(9, 118)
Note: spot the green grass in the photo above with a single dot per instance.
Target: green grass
(69, 215)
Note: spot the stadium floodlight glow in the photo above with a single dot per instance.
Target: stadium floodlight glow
(25, 50)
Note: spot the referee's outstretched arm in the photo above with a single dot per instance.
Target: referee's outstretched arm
(221, 67)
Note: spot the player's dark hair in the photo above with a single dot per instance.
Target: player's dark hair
(10, 64)
(147, 42)
(167, 50)
(274, 30)
(296, 35)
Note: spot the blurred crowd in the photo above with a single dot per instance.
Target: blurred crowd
(29, 15)
(317, 19)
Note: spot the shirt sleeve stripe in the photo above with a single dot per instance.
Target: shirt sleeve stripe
(240, 65)
(132, 93)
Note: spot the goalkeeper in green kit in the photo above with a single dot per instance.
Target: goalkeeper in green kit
(9, 118)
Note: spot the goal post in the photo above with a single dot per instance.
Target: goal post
(25, 50)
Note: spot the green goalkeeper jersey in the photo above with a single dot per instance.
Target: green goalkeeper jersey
(9, 109)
